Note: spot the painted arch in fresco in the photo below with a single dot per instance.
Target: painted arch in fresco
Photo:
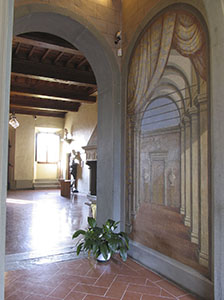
(168, 139)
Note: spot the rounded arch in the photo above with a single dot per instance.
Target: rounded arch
(83, 35)
(161, 112)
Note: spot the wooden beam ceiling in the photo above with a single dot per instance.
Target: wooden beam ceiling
(49, 79)
(46, 104)
(53, 72)
(39, 44)
(35, 112)
(53, 94)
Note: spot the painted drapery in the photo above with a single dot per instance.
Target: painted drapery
(149, 60)
(189, 41)
(177, 30)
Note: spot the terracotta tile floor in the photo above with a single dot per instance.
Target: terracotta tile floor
(84, 279)
(42, 220)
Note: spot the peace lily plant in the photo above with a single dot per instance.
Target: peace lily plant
(103, 241)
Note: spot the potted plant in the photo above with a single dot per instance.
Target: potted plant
(103, 241)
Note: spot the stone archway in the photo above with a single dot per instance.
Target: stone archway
(86, 38)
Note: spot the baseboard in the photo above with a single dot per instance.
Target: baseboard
(24, 184)
(173, 270)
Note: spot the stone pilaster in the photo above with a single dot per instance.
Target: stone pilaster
(6, 17)
(193, 112)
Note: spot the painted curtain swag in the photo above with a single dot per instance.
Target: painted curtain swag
(178, 30)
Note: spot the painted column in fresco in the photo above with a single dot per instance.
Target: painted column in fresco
(194, 174)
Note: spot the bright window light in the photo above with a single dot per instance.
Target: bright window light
(47, 147)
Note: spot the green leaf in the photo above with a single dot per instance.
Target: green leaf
(123, 254)
(104, 250)
(92, 222)
(79, 248)
(78, 232)
(125, 236)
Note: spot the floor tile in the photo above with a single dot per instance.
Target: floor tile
(105, 280)
(131, 296)
(171, 288)
(25, 209)
(90, 289)
(79, 279)
(117, 289)
(148, 290)
(75, 296)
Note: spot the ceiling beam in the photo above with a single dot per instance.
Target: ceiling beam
(45, 105)
(53, 72)
(36, 112)
(45, 45)
(82, 62)
(53, 94)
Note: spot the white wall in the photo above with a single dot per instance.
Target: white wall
(81, 125)
(25, 148)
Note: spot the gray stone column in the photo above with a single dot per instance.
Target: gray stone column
(182, 161)
(187, 219)
(193, 111)
(6, 16)
(204, 186)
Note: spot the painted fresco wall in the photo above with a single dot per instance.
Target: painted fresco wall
(168, 140)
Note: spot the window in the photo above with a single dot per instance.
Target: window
(47, 147)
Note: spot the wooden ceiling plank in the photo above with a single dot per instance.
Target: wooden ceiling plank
(31, 52)
(46, 45)
(46, 104)
(53, 80)
(70, 60)
(53, 94)
(82, 62)
(45, 55)
(82, 78)
(17, 49)
(58, 57)
(92, 91)
(36, 112)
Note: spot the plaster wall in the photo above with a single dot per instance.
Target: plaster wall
(46, 171)
(25, 148)
(81, 126)
(104, 15)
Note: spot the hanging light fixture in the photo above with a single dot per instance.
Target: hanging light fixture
(13, 121)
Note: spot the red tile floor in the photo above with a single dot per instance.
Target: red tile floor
(41, 221)
(84, 279)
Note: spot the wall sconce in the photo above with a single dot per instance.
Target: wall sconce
(13, 121)
(67, 137)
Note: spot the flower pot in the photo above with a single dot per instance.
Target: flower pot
(102, 259)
